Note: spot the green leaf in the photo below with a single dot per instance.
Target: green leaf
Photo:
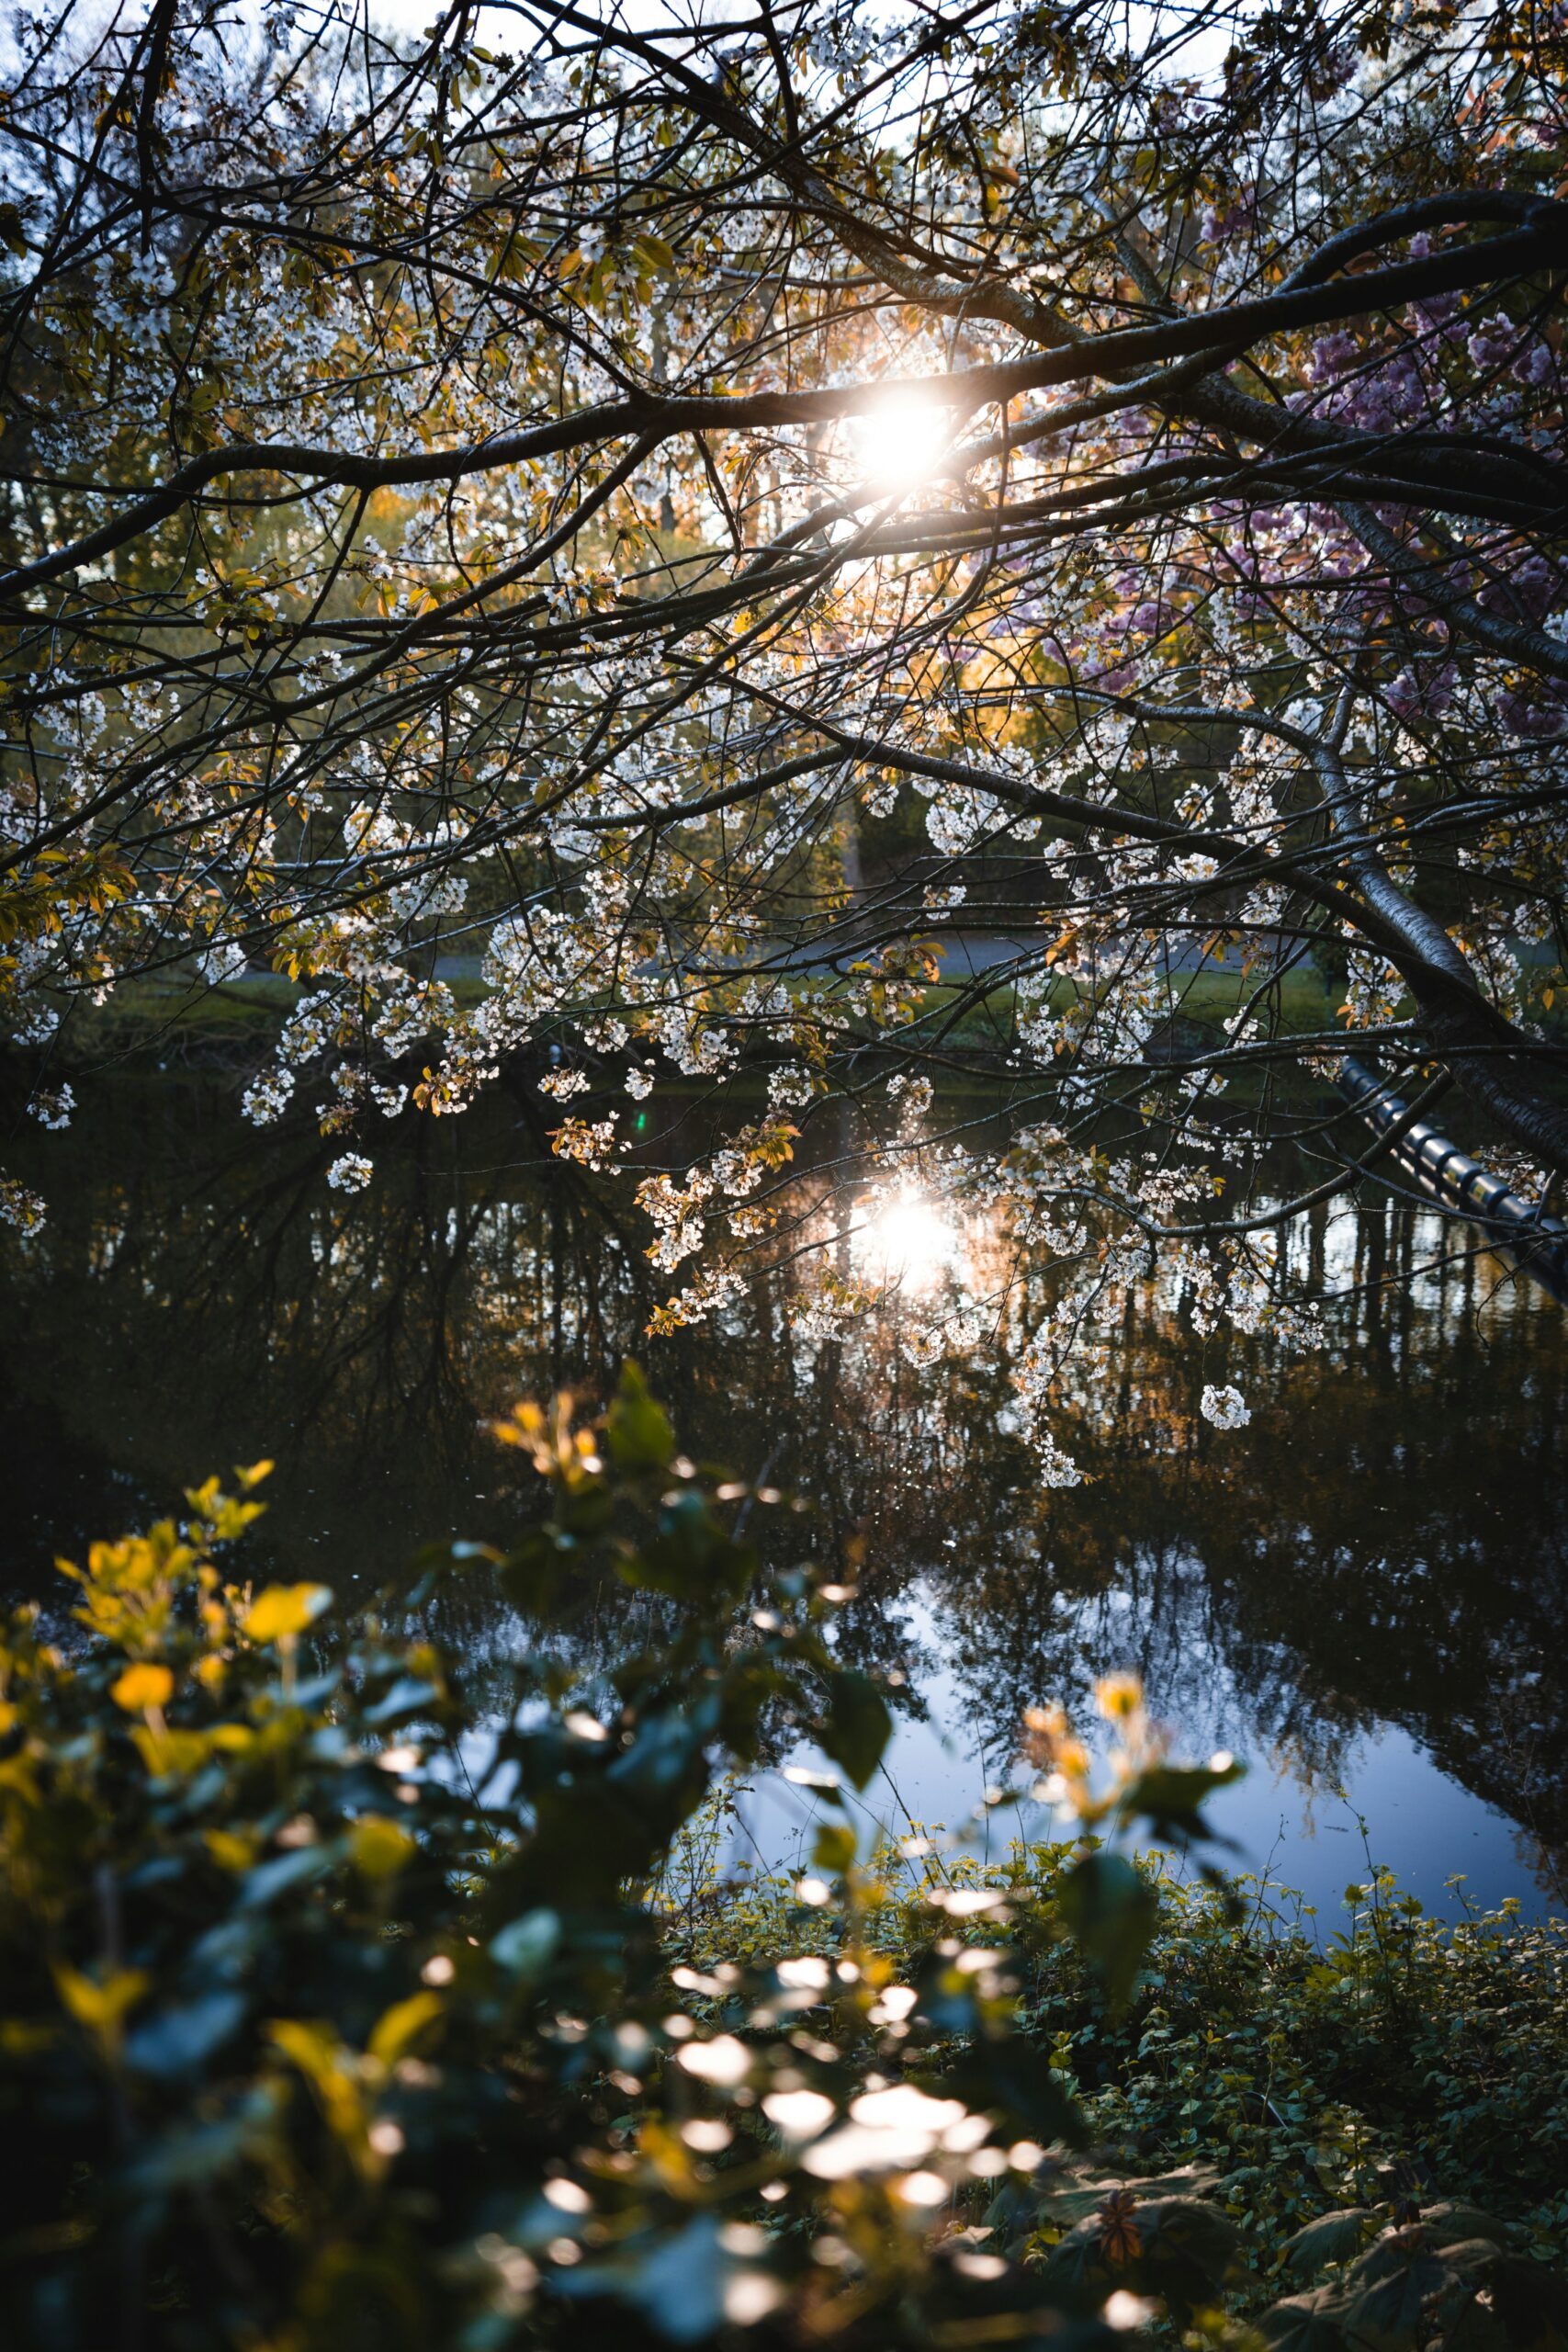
(1077, 2198)
(1312, 2323)
(410, 1696)
(637, 1431)
(1171, 1796)
(529, 1575)
(199, 2154)
(1112, 1912)
(858, 1728)
(1191, 2246)
(1452, 2219)
(525, 1945)
(280, 1871)
(1011, 2073)
(1387, 2289)
(681, 2285)
(834, 1850)
(179, 2041)
(1333, 2237)
(441, 1555)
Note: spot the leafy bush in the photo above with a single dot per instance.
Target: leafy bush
(339, 2012)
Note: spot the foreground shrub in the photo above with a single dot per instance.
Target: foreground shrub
(343, 2009)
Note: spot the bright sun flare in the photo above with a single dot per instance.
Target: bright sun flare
(901, 441)
(906, 1244)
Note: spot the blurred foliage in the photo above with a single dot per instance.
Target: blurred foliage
(340, 2010)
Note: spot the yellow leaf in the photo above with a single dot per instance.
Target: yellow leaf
(143, 1685)
(315, 2048)
(228, 1851)
(327, 2068)
(100, 2006)
(402, 2026)
(254, 1474)
(284, 1609)
(379, 1847)
(165, 1752)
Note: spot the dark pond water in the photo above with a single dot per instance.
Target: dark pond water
(1361, 1593)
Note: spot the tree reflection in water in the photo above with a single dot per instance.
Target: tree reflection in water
(1383, 1544)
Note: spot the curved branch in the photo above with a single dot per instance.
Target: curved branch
(1226, 330)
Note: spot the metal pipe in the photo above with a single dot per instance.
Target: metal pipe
(1538, 1243)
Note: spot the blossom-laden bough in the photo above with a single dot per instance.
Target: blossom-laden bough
(818, 546)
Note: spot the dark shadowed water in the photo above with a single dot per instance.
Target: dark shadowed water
(1361, 1593)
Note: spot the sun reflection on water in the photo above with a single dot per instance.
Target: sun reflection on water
(907, 1243)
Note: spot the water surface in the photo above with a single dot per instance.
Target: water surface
(1361, 1593)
